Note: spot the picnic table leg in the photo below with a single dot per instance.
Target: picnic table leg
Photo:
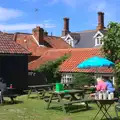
(62, 104)
(86, 103)
(116, 111)
(105, 108)
(12, 99)
(50, 100)
(97, 113)
(29, 92)
(43, 94)
(1, 98)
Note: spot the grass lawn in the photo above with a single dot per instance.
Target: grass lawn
(35, 109)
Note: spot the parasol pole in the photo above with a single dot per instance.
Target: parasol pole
(96, 72)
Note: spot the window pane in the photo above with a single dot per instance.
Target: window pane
(98, 41)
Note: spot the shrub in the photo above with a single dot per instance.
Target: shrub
(81, 79)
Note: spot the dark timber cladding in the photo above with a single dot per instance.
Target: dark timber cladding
(14, 70)
(13, 62)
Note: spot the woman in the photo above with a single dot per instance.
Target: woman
(101, 85)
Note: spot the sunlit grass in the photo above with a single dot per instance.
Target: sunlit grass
(35, 109)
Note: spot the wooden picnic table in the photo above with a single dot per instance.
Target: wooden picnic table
(9, 92)
(75, 96)
(39, 89)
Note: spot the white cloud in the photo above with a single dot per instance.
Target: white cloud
(6, 13)
(24, 26)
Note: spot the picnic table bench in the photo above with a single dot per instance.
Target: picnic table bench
(10, 93)
(39, 89)
(75, 96)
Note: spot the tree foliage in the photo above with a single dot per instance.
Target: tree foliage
(51, 69)
(81, 79)
(111, 40)
(111, 47)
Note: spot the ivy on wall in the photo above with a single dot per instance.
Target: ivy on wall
(51, 69)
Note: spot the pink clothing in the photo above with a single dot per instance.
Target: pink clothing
(101, 86)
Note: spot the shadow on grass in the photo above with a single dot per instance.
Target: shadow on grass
(115, 118)
(33, 97)
(12, 103)
(72, 108)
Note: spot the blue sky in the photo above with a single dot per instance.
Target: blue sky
(21, 15)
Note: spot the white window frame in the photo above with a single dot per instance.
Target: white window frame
(69, 40)
(96, 37)
(66, 78)
(98, 41)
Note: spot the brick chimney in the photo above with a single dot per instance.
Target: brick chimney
(66, 27)
(100, 21)
(39, 34)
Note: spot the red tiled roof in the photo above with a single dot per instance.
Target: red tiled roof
(56, 42)
(50, 55)
(70, 65)
(28, 41)
(6, 36)
(11, 47)
(8, 46)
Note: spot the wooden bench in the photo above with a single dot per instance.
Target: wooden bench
(11, 96)
(78, 101)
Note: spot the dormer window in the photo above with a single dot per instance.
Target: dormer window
(99, 41)
(98, 38)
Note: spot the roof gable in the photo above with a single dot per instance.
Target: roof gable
(68, 36)
(98, 33)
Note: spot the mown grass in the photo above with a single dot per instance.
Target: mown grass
(35, 109)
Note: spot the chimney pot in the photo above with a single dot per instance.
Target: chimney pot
(100, 21)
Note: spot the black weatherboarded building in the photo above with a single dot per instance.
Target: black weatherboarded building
(13, 62)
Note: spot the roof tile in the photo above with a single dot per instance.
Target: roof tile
(8, 46)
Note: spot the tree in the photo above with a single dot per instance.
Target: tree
(51, 69)
(111, 47)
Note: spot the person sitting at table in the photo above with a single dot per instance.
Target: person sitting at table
(101, 85)
(109, 84)
(3, 88)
